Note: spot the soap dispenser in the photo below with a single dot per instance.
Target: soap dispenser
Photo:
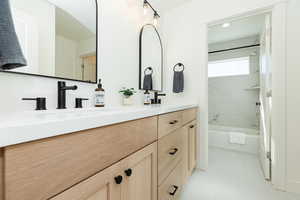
(147, 98)
(99, 95)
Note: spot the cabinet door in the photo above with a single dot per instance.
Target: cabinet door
(192, 147)
(102, 186)
(185, 153)
(141, 175)
(189, 149)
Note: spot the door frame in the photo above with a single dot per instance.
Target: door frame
(278, 138)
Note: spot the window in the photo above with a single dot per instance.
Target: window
(230, 67)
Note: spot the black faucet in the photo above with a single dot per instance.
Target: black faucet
(156, 100)
(61, 94)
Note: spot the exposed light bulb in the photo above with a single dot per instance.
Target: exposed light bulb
(226, 25)
(146, 7)
(145, 11)
(155, 22)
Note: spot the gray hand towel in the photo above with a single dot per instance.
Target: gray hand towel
(178, 82)
(11, 55)
(148, 82)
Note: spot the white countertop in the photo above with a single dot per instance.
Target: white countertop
(35, 125)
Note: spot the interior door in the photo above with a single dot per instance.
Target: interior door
(266, 99)
(89, 68)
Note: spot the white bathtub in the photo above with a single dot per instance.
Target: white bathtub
(219, 136)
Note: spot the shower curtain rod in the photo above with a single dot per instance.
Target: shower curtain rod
(236, 48)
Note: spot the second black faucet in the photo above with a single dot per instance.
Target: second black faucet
(156, 99)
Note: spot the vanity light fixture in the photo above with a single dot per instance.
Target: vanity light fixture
(146, 7)
(155, 19)
(156, 16)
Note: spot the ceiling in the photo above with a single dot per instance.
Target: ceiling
(82, 11)
(167, 4)
(239, 29)
(69, 27)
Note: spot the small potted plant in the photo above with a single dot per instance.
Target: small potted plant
(127, 95)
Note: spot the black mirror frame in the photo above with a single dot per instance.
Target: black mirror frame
(140, 57)
(69, 79)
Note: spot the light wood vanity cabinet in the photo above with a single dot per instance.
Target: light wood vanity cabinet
(1, 175)
(142, 183)
(189, 115)
(102, 186)
(53, 165)
(133, 178)
(146, 159)
(190, 149)
(171, 188)
(168, 123)
(170, 150)
(176, 152)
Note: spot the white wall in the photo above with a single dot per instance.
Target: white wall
(86, 46)
(68, 56)
(66, 59)
(119, 25)
(293, 96)
(229, 97)
(43, 14)
(185, 28)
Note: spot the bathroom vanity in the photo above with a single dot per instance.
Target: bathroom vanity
(129, 154)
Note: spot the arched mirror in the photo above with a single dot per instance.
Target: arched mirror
(151, 59)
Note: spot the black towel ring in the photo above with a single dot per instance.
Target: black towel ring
(150, 69)
(179, 65)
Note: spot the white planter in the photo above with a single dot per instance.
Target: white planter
(127, 100)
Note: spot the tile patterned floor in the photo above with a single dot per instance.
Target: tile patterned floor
(232, 176)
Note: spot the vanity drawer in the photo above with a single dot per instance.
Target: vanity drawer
(189, 115)
(168, 123)
(171, 188)
(39, 170)
(170, 150)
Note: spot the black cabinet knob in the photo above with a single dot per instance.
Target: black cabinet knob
(175, 190)
(192, 126)
(118, 179)
(128, 172)
(173, 122)
(173, 151)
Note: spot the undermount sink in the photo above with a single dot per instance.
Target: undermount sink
(41, 117)
(52, 115)
(32, 125)
(76, 112)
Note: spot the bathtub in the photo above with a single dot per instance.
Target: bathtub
(219, 136)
